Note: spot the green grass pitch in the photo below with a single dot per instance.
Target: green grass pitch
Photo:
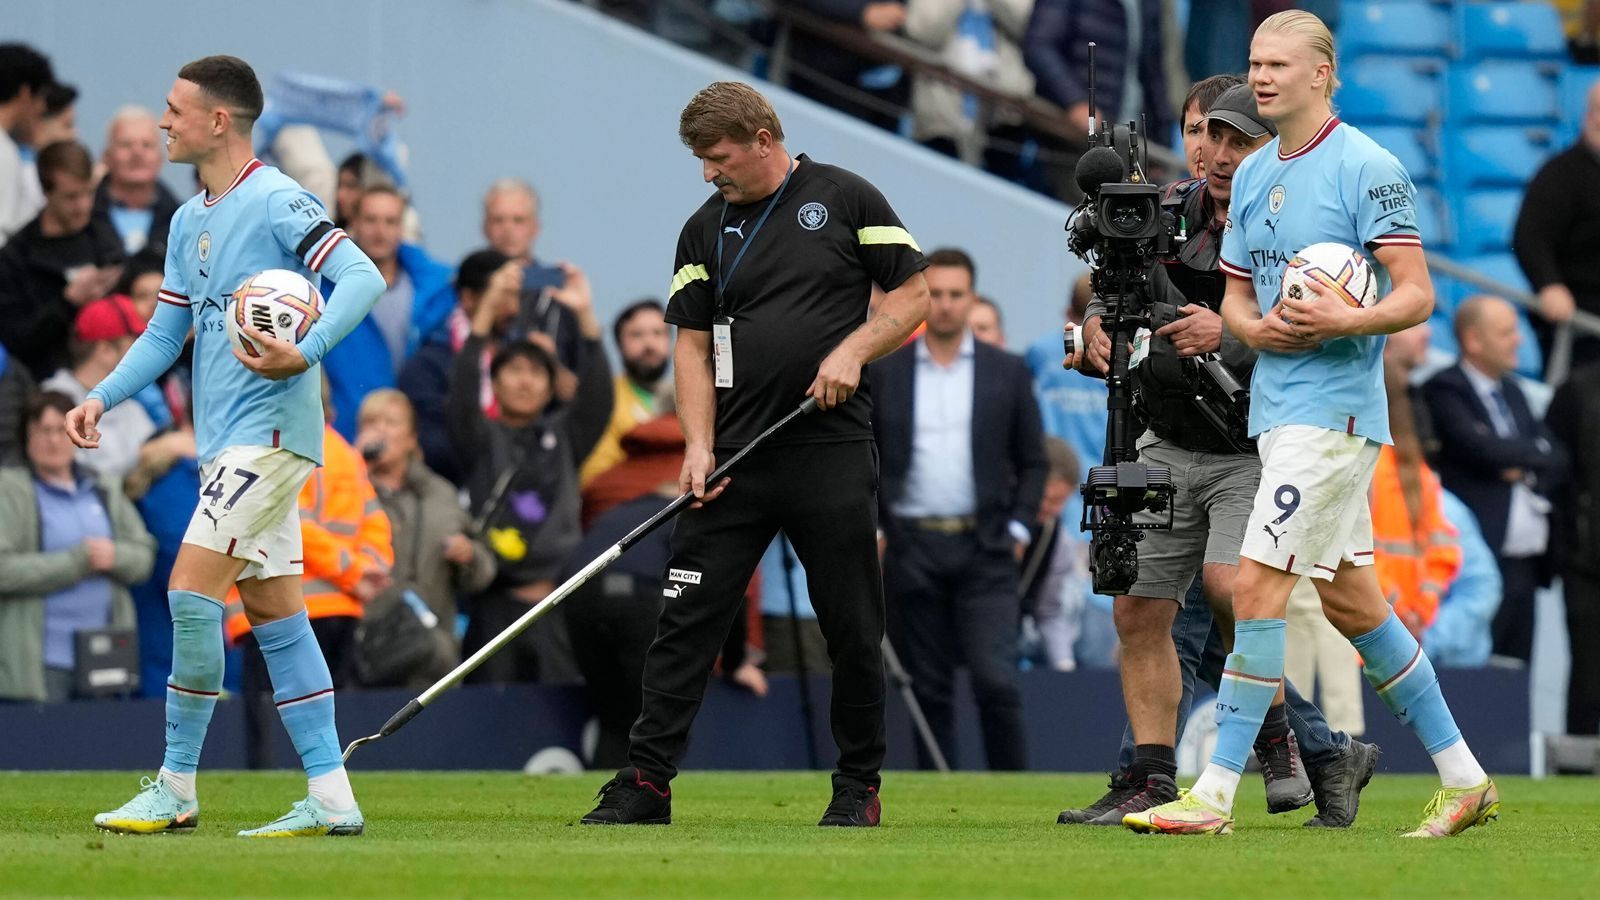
(754, 835)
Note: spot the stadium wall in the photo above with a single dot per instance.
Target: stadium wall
(580, 105)
(1074, 723)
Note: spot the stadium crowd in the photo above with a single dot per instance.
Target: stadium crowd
(483, 442)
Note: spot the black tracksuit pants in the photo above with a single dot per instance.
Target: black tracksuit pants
(823, 496)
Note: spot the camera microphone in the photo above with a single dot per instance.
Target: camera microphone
(1100, 165)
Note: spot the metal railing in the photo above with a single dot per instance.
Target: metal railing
(1557, 367)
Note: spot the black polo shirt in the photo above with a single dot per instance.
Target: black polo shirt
(799, 291)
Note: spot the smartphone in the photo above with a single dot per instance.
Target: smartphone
(537, 278)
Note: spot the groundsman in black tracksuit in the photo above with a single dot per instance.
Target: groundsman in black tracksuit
(784, 257)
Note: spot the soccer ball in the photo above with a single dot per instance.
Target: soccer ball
(1340, 270)
(277, 302)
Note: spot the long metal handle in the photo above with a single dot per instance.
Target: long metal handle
(543, 607)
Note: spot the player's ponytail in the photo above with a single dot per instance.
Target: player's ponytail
(1313, 32)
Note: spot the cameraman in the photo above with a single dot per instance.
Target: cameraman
(1215, 471)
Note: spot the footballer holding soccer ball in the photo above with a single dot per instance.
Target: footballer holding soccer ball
(258, 423)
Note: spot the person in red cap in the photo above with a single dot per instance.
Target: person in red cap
(102, 332)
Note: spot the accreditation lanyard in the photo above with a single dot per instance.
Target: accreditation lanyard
(725, 273)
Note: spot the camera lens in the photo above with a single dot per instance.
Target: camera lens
(1128, 215)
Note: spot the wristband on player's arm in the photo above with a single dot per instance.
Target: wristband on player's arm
(360, 285)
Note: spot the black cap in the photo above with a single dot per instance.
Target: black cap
(1237, 107)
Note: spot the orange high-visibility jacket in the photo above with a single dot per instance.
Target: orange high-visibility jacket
(344, 532)
(1416, 562)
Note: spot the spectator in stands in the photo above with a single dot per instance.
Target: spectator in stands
(1072, 407)
(1574, 419)
(1583, 32)
(1071, 404)
(1557, 232)
(983, 41)
(1131, 78)
(522, 475)
(437, 555)
(57, 263)
(348, 548)
(25, 79)
(354, 174)
(60, 119)
(837, 76)
(58, 123)
(963, 470)
(511, 225)
(1417, 553)
(1460, 635)
(71, 545)
(1417, 549)
(987, 324)
(644, 449)
(165, 485)
(1055, 570)
(102, 333)
(1497, 457)
(15, 386)
(645, 344)
(413, 309)
(131, 198)
(485, 278)
(140, 282)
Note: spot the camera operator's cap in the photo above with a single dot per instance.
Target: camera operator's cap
(1237, 107)
(108, 319)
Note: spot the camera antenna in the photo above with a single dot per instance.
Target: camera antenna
(1093, 110)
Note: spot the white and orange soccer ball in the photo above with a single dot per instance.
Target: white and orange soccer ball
(278, 303)
(1340, 270)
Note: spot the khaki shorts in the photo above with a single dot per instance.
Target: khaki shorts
(250, 509)
(1211, 502)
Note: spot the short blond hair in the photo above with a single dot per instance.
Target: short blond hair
(727, 109)
(1313, 31)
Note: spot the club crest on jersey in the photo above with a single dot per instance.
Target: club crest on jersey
(1275, 199)
(813, 216)
(203, 245)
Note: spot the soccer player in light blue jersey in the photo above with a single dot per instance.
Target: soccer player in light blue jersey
(258, 421)
(1319, 410)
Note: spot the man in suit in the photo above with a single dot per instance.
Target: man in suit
(1499, 459)
(963, 470)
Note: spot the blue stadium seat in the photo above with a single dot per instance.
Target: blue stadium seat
(1509, 29)
(1394, 28)
(1484, 220)
(1573, 88)
(1384, 90)
(1502, 91)
(1406, 145)
(1495, 155)
(1433, 221)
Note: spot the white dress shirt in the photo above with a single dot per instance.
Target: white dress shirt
(1528, 521)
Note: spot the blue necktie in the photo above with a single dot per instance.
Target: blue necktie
(1508, 421)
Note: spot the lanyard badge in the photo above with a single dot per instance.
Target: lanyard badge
(722, 324)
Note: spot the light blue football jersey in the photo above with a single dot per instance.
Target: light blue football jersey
(264, 220)
(1341, 187)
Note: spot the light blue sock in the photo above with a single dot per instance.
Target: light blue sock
(1394, 663)
(303, 690)
(196, 676)
(1250, 678)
